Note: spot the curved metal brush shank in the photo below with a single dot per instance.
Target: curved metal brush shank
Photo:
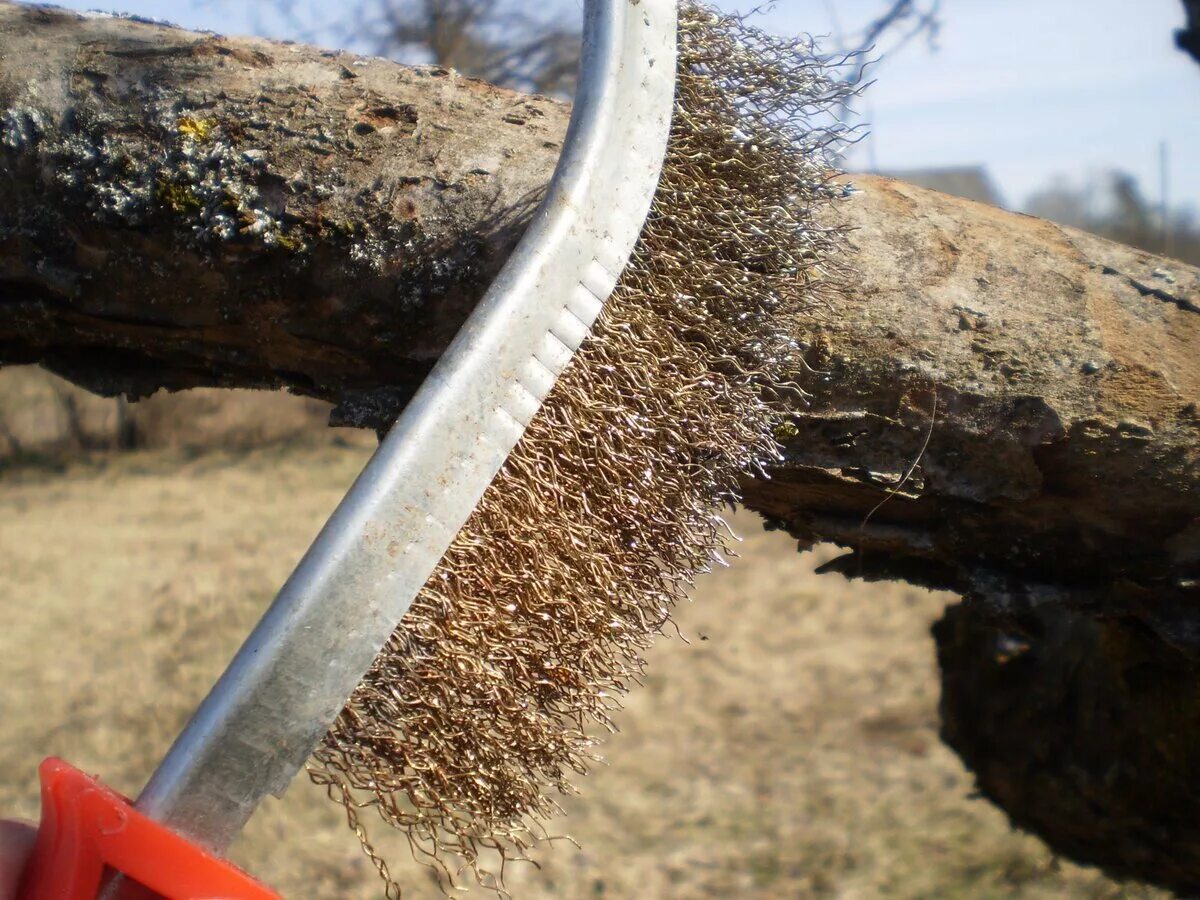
(296, 670)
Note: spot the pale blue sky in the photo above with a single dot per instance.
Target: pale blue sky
(1030, 88)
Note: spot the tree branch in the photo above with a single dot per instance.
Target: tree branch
(183, 210)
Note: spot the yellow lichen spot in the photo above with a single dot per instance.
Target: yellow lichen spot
(785, 432)
(197, 129)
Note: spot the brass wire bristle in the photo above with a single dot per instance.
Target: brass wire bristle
(484, 703)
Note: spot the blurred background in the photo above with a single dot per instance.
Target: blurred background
(790, 749)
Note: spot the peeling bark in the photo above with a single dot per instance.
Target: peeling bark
(1037, 385)
(1002, 406)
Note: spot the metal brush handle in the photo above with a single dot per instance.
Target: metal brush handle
(297, 669)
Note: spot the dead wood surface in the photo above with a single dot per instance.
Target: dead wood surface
(1023, 395)
(181, 210)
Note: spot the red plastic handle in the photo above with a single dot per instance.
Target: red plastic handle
(86, 827)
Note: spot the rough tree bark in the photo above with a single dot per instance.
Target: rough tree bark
(1003, 407)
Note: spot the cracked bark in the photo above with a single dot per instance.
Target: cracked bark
(1001, 406)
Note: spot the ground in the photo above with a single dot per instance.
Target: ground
(789, 749)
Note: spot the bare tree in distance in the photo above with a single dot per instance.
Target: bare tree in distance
(1112, 205)
(520, 45)
(909, 19)
(528, 47)
(862, 49)
(504, 43)
(499, 41)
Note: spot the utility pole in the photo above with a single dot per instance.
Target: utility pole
(1164, 187)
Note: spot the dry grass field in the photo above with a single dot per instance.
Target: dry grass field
(789, 750)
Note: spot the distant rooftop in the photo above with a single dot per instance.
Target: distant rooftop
(968, 182)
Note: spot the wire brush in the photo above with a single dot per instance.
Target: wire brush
(488, 697)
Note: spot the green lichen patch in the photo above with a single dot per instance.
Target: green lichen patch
(291, 242)
(179, 198)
